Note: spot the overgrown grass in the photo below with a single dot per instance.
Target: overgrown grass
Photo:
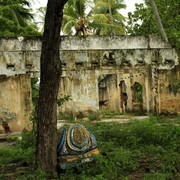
(22, 151)
(148, 149)
(67, 116)
(17, 158)
(107, 112)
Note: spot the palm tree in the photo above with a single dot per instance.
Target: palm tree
(106, 18)
(15, 17)
(103, 17)
(16, 11)
(158, 19)
(75, 18)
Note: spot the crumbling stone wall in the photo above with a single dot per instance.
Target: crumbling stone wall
(15, 101)
(142, 66)
(169, 91)
(88, 63)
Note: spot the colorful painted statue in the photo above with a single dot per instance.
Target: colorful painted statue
(78, 145)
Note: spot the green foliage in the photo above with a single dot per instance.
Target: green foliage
(74, 18)
(145, 133)
(28, 140)
(157, 175)
(61, 101)
(16, 19)
(127, 148)
(19, 157)
(35, 90)
(106, 17)
(149, 148)
(107, 112)
(166, 120)
(39, 175)
(103, 17)
(146, 142)
(138, 93)
(142, 21)
(15, 155)
(174, 86)
(95, 116)
(67, 116)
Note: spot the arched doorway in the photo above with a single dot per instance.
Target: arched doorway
(137, 97)
(123, 96)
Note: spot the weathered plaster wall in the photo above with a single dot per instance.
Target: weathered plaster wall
(169, 91)
(130, 65)
(145, 60)
(109, 94)
(81, 86)
(15, 101)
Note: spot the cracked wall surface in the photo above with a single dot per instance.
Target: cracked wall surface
(93, 69)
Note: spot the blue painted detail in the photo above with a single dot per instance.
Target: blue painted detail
(77, 145)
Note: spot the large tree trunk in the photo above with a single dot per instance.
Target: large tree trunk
(46, 146)
(158, 19)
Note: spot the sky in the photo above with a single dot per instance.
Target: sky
(129, 4)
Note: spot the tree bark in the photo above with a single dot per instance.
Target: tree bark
(158, 19)
(46, 112)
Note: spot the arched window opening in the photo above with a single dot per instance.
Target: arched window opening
(123, 95)
(137, 93)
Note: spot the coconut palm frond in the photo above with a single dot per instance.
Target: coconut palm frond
(24, 2)
(67, 18)
(104, 16)
(118, 6)
(71, 11)
(68, 27)
(100, 18)
(80, 7)
(118, 17)
(110, 20)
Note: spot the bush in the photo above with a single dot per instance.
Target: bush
(28, 140)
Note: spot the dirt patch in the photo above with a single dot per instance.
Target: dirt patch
(7, 143)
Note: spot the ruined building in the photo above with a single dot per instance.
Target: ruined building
(118, 72)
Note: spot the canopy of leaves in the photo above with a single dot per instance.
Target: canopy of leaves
(106, 18)
(15, 18)
(142, 21)
(74, 17)
(94, 17)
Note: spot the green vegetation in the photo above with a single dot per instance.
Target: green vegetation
(61, 101)
(94, 116)
(138, 93)
(67, 116)
(103, 17)
(16, 18)
(35, 90)
(92, 17)
(146, 149)
(107, 112)
(107, 19)
(142, 21)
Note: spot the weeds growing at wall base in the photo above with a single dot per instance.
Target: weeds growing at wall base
(146, 149)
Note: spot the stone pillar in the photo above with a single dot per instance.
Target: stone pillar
(155, 87)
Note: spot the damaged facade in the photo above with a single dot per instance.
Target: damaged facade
(119, 72)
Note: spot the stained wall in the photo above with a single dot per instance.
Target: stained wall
(88, 63)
